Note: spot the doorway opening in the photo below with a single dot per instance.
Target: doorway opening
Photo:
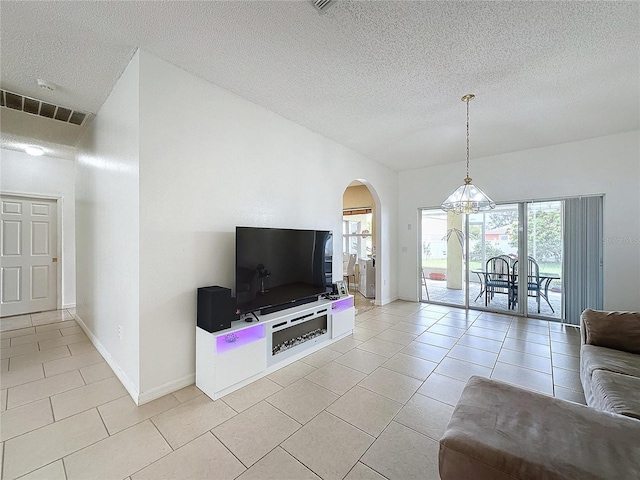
(360, 244)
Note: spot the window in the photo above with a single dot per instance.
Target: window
(357, 235)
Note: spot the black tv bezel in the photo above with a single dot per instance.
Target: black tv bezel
(275, 307)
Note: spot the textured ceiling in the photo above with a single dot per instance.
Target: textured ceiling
(382, 78)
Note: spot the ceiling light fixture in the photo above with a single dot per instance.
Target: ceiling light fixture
(34, 150)
(467, 198)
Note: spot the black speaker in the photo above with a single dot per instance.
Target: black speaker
(216, 308)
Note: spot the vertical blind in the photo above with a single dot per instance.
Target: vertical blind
(582, 259)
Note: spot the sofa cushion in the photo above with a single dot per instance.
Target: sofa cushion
(499, 431)
(594, 358)
(601, 358)
(617, 330)
(617, 393)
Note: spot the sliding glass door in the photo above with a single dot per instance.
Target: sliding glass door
(514, 258)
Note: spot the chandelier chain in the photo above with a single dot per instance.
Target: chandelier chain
(467, 198)
(468, 136)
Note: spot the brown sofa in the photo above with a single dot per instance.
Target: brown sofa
(610, 361)
(502, 432)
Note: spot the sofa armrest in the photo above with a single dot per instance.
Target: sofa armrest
(502, 432)
(583, 328)
(617, 330)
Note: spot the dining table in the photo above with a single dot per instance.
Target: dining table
(544, 281)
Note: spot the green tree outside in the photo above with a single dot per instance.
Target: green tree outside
(490, 251)
(502, 218)
(545, 229)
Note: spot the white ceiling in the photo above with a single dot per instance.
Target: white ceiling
(383, 78)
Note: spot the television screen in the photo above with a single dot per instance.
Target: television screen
(277, 266)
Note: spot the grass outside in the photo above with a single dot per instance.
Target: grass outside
(475, 265)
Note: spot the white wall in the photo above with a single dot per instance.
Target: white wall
(49, 177)
(209, 161)
(606, 165)
(107, 228)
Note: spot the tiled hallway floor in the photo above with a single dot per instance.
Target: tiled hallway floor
(362, 303)
(372, 405)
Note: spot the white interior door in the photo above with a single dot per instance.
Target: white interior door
(28, 255)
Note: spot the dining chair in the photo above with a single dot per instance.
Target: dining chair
(533, 281)
(510, 260)
(497, 279)
(350, 270)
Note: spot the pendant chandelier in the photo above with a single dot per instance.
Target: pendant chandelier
(467, 198)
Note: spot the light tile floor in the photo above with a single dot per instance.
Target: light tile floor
(372, 405)
(362, 303)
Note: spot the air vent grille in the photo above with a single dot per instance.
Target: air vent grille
(322, 5)
(34, 106)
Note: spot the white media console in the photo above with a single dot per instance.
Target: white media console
(232, 358)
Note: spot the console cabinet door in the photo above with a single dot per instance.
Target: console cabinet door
(342, 322)
(240, 363)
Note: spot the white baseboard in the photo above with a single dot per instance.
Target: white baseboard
(385, 301)
(124, 379)
(69, 305)
(170, 387)
(407, 299)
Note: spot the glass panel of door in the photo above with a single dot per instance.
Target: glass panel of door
(485, 279)
(544, 247)
(443, 258)
(494, 241)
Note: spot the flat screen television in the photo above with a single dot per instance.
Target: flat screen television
(277, 268)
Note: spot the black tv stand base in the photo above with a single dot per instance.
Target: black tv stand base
(284, 306)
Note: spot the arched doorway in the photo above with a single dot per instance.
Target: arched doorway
(361, 243)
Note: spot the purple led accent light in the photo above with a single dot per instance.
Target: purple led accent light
(340, 305)
(243, 337)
